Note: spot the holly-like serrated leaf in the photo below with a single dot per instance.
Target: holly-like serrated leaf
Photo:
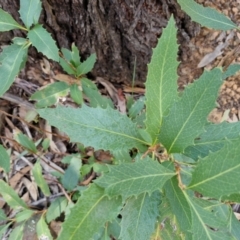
(43, 42)
(161, 85)
(4, 159)
(95, 98)
(75, 56)
(10, 196)
(130, 179)
(100, 128)
(10, 65)
(139, 216)
(25, 142)
(76, 94)
(218, 169)
(178, 204)
(43, 231)
(71, 60)
(205, 224)
(207, 17)
(188, 115)
(92, 210)
(50, 94)
(7, 22)
(72, 173)
(41, 182)
(87, 65)
(213, 139)
(67, 67)
(30, 11)
(56, 208)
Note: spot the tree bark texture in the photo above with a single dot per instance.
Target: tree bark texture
(118, 31)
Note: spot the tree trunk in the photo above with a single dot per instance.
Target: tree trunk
(120, 32)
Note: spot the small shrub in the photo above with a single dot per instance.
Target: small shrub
(181, 178)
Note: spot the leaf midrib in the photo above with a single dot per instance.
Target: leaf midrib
(13, 66)
(198, 216)
(83, 219)
(215, 176)
(106, 130)
(204, 16)
(187, 120)
(40, 27)
(140, 177)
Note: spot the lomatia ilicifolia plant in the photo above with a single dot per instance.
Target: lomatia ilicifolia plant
(173, 174)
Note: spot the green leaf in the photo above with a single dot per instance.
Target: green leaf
(7, 22)
(4, 159)
(234, 226)
(71, 60)
(67, 54)
(40, 181)
(66, 66)
(130, 179)
(178, 204)
(231, 70)
(50, 94)
(43, 42)
(204, 223)
(72, 174)
(56, 208)
(114, 228)
(136, 107)
(20, 41)
(4, 228)
(167, 227)
(76, 94)
(2, 215)
(100, 128)
(24, 215)
(30, 11)
(207, 17)
(188, 115)
(90, 213)
(25, 142)
(43, 231)
(75, 56)
(213, 139)
(218, 169)
(122, 156)
(95, 98)
(87, 65)
(10, 196)
(235, 197)
(139, 216)
(46, 144)
(161, 85)
(10, 67)
(17, 233)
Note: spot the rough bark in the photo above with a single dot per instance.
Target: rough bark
(119, 31)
